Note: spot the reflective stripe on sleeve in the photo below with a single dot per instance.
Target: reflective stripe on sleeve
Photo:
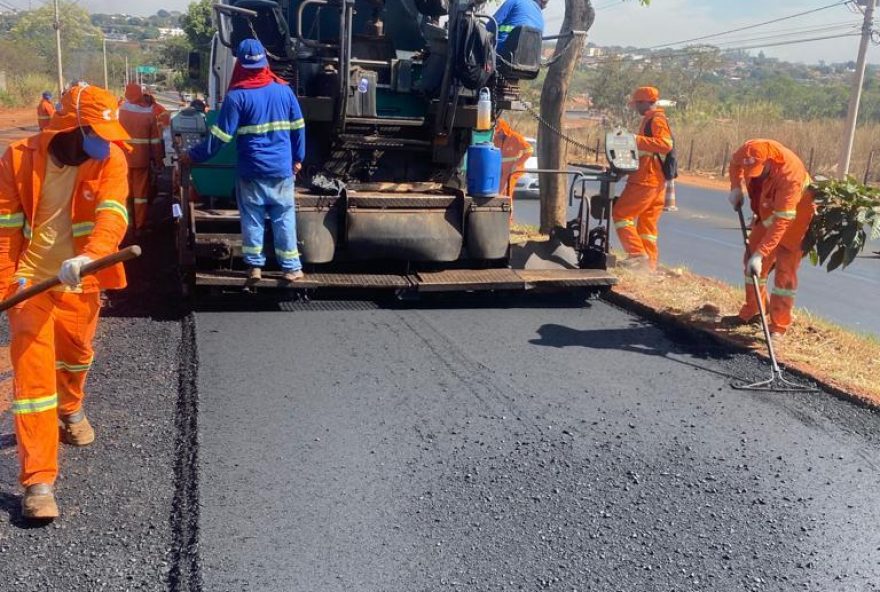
(81, 229)
(271, 126)
(506, 28)
(115, 207)
(785, 214)
(144, 140)
(26, 231)
(38, 405)
(12, 220)
(219, 133)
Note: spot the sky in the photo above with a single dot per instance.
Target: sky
(624, 22)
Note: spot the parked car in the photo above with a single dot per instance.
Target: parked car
(527, 186)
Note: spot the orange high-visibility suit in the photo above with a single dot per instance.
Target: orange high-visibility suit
(638, 209)
(51, 334)
(515, 151)
(138, 120)
(785, 210)
(45, 110)
(162, 115)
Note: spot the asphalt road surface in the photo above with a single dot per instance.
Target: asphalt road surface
(704, 236)
(525, 447)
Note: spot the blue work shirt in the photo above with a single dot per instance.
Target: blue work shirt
(269, 127)
(516, 13)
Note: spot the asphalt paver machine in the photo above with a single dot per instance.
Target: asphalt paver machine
(381, 200)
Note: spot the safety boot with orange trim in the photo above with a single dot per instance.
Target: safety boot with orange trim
(76, 429)
(38, 502)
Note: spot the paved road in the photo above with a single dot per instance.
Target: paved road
(704, 236)
(521, 448)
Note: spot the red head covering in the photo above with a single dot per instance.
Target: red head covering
(243, 78)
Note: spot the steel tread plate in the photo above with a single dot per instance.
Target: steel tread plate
(567, 277)
(311, 280)
(469, 279)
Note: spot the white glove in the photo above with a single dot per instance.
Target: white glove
(755, 265)
(736, 198)
(70, 270)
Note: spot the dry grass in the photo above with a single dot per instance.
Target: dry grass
(715, 138)
(845, 359)
(523, 233)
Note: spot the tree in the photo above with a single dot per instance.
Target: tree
(34, 31)
(579, 16)
(197, 25)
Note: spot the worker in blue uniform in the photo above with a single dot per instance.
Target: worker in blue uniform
(261, 111)
(517, 13)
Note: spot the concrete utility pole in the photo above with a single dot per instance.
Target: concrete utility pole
(57, 25)
(852, 115)
(104, 51)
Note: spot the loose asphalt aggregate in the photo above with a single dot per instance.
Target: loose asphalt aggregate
(514, 444)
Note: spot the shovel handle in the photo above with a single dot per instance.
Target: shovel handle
(95, 266)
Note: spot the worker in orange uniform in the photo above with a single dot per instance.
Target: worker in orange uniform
(145, 158)
(45, 110)
(62, 205)
(779, 182)
(515, 151)
(162, 115)
(637, 211)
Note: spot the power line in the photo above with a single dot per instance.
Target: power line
(753, 26)
(706, 49)
(781, 35)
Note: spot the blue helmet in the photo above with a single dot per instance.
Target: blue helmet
(47, 95)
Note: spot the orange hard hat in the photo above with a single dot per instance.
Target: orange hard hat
(648, 94)
(134, 92)
(755, 156)
(89, 106)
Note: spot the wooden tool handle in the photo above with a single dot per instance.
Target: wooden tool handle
(93, 267)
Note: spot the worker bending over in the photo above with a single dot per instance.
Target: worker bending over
(517, 13)
(45, 110)
(515, 152)
(62, 205)
(778, 182)
(638, 210)
(145, 158)
(262, 111)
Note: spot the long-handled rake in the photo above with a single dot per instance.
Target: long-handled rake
(777, 381)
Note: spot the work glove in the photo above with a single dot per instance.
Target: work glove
(70, 270)
(755, 265)
(736, 198)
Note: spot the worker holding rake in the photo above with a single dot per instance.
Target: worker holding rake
(62, 207)
(779, 186)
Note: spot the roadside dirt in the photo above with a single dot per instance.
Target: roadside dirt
(16, 124)
(703, 181)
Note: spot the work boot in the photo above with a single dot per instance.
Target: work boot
(637, 263)
(734, 321)
(76, 429)
(38, 502)
(292, 276)
(255, 274)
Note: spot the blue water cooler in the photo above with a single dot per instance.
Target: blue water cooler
(483, 170)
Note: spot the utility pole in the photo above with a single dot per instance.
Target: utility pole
(855, 98)
(104, 50)
(57, 25)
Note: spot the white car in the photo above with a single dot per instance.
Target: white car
(527, 186)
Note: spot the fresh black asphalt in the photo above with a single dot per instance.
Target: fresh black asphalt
(526, 447)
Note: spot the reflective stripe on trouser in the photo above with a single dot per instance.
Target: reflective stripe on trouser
(140, 191)
(636, 215)
(784, 263)
(271, 198)
(48, 328)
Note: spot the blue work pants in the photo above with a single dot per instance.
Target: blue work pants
(271, 198)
